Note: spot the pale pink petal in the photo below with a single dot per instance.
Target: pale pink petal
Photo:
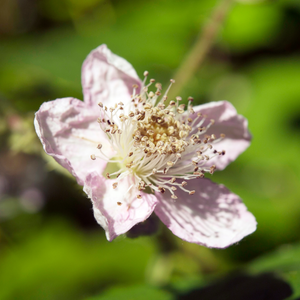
(117, 210)
(69, 132)
(213, 216)
(234, 126)
(107, 78)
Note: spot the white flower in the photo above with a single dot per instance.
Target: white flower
(165, 148)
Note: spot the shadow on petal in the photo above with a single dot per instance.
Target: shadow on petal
(213, 216)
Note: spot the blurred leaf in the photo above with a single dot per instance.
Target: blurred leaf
(267, 176)
(242, 287)
(66, 263)
(251, 26)
(44, 66)
(285, 261)
(134, 293)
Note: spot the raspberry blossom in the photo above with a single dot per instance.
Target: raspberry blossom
(136, 152)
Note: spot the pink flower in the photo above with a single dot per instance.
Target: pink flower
(148, 146)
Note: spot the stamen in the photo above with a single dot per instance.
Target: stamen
(152, 142)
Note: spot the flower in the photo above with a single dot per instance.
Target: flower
(158, 153)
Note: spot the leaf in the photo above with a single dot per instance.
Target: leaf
(60, 261)
(134, 293)
(285, 261)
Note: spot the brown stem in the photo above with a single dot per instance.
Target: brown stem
(203, 44)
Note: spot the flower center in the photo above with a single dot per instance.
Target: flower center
(158, 145)
(158, 132)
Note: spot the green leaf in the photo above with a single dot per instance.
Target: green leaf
(284, 261)
(250, 26)
(134, 293)
(59, 261)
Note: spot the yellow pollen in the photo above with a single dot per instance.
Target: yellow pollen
(158, 132)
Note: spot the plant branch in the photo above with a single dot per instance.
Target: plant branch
(201, 48)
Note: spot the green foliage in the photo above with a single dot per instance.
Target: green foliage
(61, 262)
(134, 293)
(284, 261)
(252, 25)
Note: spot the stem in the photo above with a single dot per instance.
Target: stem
(203, 44)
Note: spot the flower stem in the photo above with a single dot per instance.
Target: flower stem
(201, 48)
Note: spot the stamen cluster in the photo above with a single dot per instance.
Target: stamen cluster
(161, 145)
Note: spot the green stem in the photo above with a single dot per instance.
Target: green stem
(201, 48)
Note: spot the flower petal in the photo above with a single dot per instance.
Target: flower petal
(117, 210)
(213, 216)
(107, 77)
(69, 132)
(234, 126)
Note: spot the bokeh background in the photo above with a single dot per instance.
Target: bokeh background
(50, 245)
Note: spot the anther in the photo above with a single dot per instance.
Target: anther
(146, 73)
(174, 197)
(99, 146)
(139, 196)
(161, 189)
(192, 192)
(115, 184)
(129, 165)
(151, 94)
(100, 104)
(158, 86)
(93, 157)
(183, 183)
(119, 203)
(107, 175)
(212, 169)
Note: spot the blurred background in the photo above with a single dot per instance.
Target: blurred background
(50, 245)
